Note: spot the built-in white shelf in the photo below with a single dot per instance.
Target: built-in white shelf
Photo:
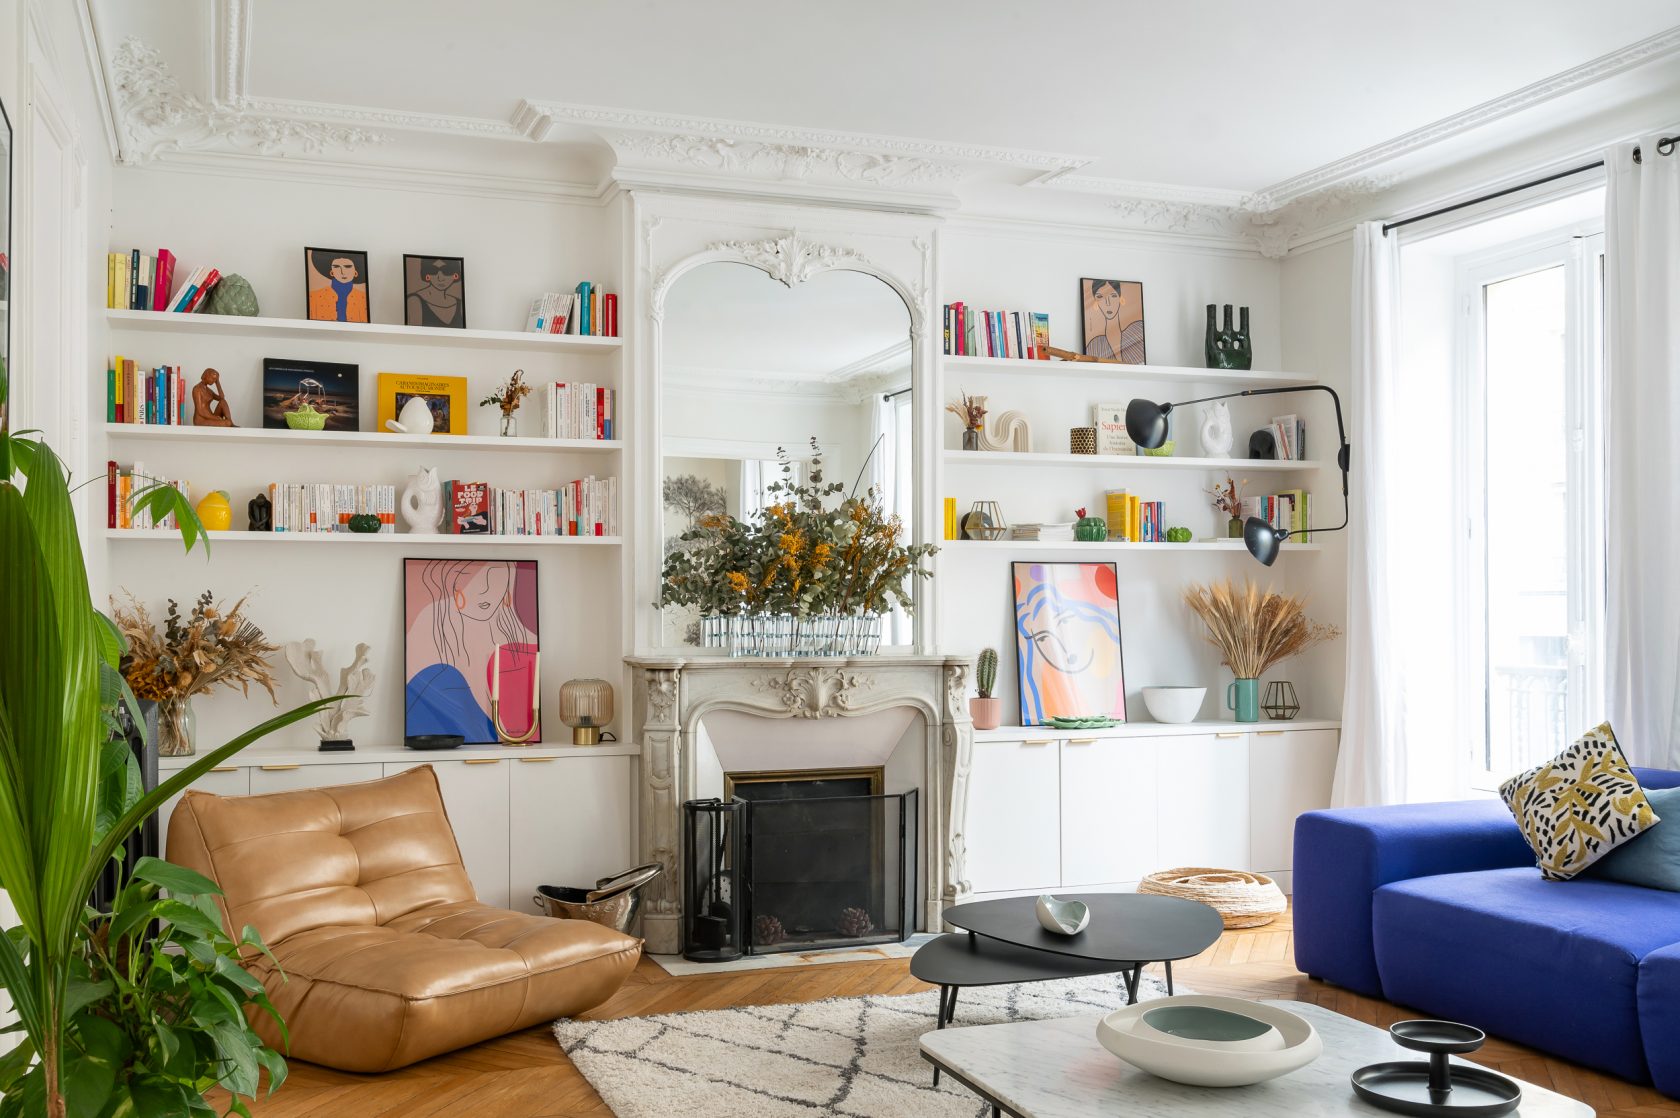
(1159, 729)
(381, 332)
(361, 539)
(1100, 370)
(1108, 545)
(274, 758)
(1011, 459)
(304, 440)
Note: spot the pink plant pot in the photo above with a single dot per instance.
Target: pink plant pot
(986, 713)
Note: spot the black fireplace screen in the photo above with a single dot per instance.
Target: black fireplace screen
(792, 873)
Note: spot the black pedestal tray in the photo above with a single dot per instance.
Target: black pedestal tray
(433, 741)
(1436, 1086)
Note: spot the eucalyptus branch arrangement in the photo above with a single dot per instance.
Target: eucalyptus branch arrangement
(1255, 630)
(509, 395)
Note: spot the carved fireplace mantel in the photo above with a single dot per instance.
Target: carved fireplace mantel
(673, 693)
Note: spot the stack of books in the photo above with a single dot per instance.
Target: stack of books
(1134, 520)
(587, 311)
(586, 507)
(120, 488)
(138, 281)
(977, 333)
(324, 507)
(135, 394)
(1290, 435)
(581, 411)
(1291, 509)
(1051, 533)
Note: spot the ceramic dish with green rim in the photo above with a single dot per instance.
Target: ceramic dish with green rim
(1187, 1049)
(1081, 723)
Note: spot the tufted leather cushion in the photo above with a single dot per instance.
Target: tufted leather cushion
(386, 956)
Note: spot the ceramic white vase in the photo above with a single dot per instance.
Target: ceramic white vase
(414, 419)
(1216, 432)
(422, 503)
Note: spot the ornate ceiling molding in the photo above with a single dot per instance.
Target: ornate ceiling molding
(155, 115)
(232, 36)
(792, 259)
(718, 155)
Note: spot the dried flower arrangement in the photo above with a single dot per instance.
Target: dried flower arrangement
(510, 395)
(798, 555)
(1254, 630)
(970, 409)
(213, 646)
(1228, 498)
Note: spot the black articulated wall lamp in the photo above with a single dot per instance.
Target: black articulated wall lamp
(1146, 423)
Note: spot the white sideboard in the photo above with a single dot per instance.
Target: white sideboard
(523, 816)
(1100, 809)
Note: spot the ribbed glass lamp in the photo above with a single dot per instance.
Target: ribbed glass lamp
(586, 705)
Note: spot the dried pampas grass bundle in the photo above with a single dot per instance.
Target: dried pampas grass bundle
(1255, 629)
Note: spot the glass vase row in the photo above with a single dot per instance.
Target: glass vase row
(783, 634)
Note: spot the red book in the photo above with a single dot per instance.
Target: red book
(962, 331)
(470, 510)
(111, 494)
(600, 412)
(203, 289)
(164, 276)
(609, 308)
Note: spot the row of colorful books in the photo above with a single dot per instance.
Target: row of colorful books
(139, 281)
(1133, 519)
(136, 394)
(587, 311)
(585, 507)
(121, 487)
(581, 411)
(979, 333)
(1291, 509)
(324, 507)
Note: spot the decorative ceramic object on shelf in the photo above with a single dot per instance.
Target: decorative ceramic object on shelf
(259, 513)
(1205, 1049)
(1242, 699)
(1242, 899)
(586, 705)
(1082, 440)
(1099, 722)
(1280, 703)
(232, 295)
(210, 406)
(365, 523)
(1089, 529)
(422, 498)
(414, 419)
(1224, 347)
(1064, 918)
(1216, 433)
(214, 512)
(1012, 433)
(1165, 450)
(1175, 705)
(356, 681)
(306, 418)
(1436, 1086)
(985, 522)
(986, 710)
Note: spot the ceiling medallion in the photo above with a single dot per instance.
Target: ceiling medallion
(158, 116)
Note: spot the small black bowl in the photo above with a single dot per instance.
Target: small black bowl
(433, 741)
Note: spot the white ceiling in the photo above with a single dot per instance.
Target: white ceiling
(1219, 94)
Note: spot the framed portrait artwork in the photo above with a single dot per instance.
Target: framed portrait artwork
(1067, 641)
(470, 638)
(336, 284)
(1113, 320)
(435, 291)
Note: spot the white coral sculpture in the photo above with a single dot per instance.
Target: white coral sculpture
(356, 680)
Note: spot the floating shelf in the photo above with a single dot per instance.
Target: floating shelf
(1095, 370)
(1135, 729)
(1094, 548)
(1011, 459)
(385, 333)
(305, 439)
(356, 539)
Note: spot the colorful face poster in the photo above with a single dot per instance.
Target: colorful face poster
(470, 639)
(1067, 639)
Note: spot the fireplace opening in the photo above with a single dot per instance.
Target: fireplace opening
(794, 861)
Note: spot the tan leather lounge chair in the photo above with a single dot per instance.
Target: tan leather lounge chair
(388, 956)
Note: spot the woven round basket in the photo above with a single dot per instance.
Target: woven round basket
(1242, 899)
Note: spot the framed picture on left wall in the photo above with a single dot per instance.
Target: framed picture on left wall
(1067, 641)
(470, 639)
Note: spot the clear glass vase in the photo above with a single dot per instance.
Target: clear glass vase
(177, 728)
(510, 425)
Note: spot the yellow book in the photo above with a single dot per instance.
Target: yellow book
(1114, 509)
(445, 396)
(950, 518)
(1134, 517)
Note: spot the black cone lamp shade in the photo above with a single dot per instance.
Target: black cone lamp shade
(1146, 423)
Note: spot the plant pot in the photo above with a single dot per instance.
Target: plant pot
(1242, 699)
(1234, 528)
(987, 713)
(971, 438)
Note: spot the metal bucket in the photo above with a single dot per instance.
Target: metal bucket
(615, 901)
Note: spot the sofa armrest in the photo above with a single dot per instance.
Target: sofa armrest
(1343, 856)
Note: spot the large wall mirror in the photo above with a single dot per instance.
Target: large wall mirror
(750, 367)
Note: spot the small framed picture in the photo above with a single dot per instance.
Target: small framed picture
(1113, 311)
(336, 282)
(435, 291)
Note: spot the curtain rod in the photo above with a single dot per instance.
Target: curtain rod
(1665, 146)
(891, 395)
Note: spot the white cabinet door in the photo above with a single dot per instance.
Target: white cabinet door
(1289, 771)
(1109, 810)
(228, 780)
(1202, 788)
(289, 778)
(1014, 815)
(475, 793)
(571, 822)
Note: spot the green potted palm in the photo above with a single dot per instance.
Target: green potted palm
(140, 1010)
(986, 710)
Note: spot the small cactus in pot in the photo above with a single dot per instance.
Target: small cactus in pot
(986, 710)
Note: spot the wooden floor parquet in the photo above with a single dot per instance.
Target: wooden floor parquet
(526, 1076)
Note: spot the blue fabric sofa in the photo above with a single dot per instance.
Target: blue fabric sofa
(1439, 907)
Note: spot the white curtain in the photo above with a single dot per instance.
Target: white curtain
(1372, 765)
(1642, 471)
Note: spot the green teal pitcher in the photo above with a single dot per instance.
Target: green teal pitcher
(1242, 697)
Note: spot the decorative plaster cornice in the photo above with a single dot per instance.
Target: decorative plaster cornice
(395, 119)
(156, 115)
(783, 161)
(792, 259)
(232, 37)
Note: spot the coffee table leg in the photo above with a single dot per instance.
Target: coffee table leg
(1132, 977)
(944, 992)
(1169, 978)
(951, 1008)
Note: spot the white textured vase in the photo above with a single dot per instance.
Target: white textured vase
(422, 503)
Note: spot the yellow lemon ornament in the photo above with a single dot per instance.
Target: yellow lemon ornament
(215, 513)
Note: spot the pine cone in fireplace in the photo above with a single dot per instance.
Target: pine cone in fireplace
(855, 922)
(768, 931)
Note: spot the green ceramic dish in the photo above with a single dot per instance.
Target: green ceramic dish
(306, 419)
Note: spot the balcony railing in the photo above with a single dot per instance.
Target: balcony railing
(1527, 715)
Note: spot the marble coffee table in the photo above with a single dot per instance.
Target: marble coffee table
(1056, 1069)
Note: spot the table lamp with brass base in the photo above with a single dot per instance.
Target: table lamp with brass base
(586, 705)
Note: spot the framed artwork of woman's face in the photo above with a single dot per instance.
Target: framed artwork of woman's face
(1113, 320)
(336, 284)
(470, 637)
(1067, 641)
(435, 291)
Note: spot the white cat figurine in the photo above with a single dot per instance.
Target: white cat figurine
(1216, 430)
(422, 503)
(415, 418)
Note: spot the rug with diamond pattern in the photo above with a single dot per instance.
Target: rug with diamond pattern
(855, 1057)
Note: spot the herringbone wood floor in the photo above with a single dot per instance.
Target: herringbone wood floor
(525, 1075)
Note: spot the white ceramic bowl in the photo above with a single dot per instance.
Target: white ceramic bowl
(1065, 918)
(1174, 704)
(1210, 1063)
(1156, 1022)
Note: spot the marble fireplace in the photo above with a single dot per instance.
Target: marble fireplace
(908, 713)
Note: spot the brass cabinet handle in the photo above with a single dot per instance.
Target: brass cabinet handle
(1227, 735)
(225, 769)
(1038, 741)
(536, 760)
(1082, 741)
(279, 768)
(1269, 733)
(481, 761)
